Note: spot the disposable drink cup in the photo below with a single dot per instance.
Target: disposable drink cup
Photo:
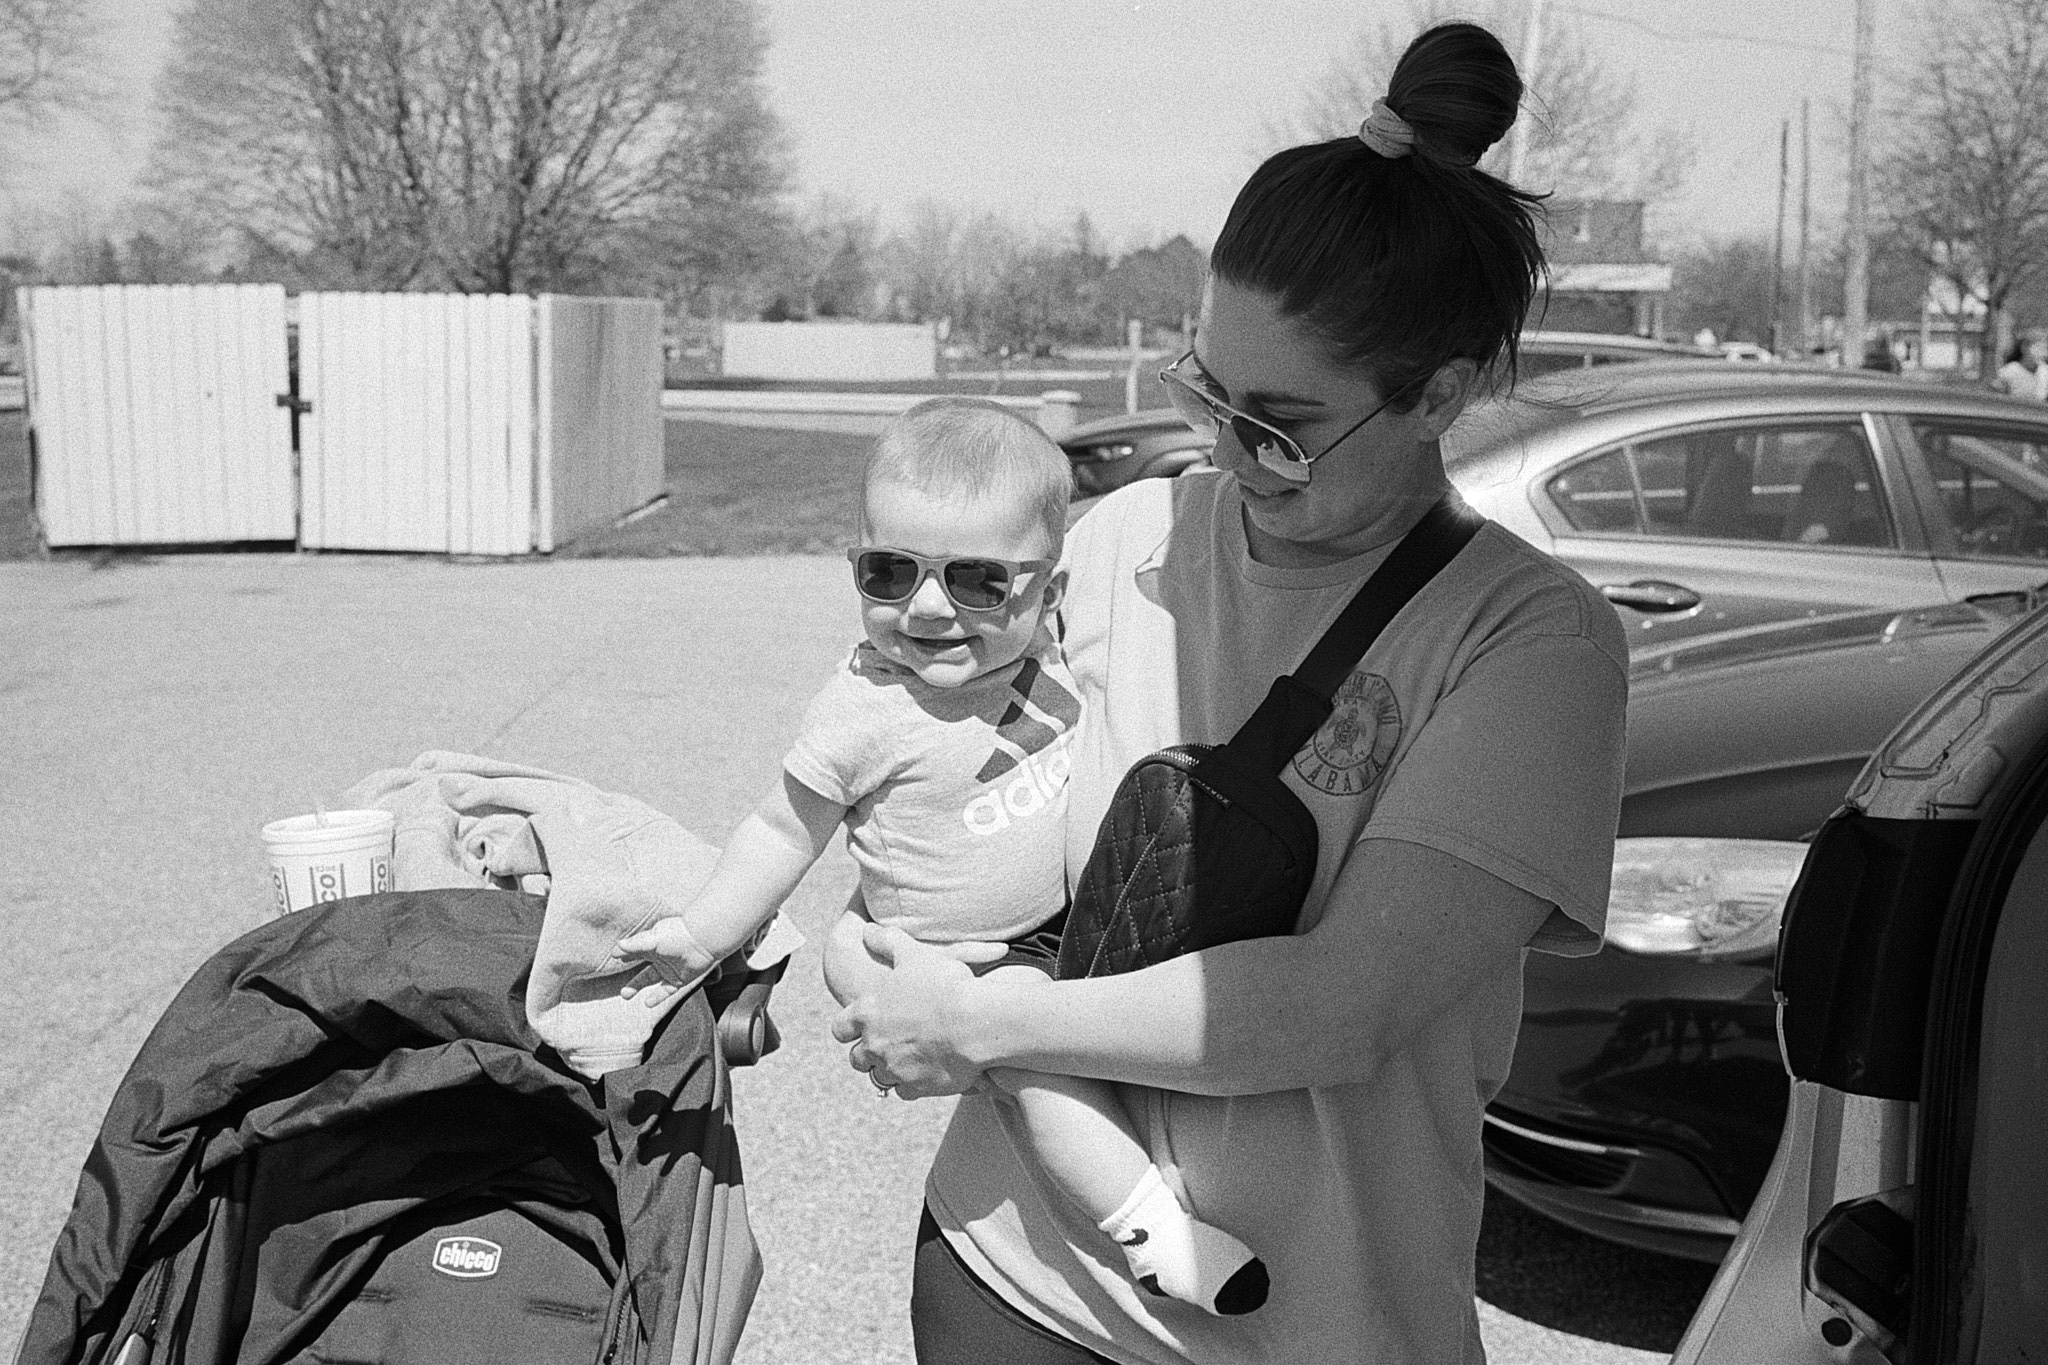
(315, 858)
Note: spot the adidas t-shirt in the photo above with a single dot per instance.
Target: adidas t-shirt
(1486, 722)
(958, 794)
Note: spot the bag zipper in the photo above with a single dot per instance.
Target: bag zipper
(137, 1349)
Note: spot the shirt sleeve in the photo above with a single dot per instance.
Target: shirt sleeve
(1518, 771)
(842, 750)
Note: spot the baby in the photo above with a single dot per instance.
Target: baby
(941, 746)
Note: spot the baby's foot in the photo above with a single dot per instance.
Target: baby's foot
(1175, 1255)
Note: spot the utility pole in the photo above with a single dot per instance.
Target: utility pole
(1805, 228)
(1518, 134)
(1777, 338)
(1856, 281)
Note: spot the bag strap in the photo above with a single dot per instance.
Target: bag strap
(1298, 703)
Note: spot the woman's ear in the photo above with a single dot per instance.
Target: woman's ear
(1445, 396)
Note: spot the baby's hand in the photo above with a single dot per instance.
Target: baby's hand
(672, 952)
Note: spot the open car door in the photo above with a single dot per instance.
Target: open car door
(1905, 1218)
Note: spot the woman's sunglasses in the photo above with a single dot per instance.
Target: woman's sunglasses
(972, 582)
(1273, 448)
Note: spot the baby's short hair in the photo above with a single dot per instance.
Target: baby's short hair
(971, 446)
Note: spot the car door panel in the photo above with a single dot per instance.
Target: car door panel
(1741, 585)
(1760, 519)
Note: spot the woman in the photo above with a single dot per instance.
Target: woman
(1318, 1095)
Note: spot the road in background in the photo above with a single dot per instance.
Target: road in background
(154, 713)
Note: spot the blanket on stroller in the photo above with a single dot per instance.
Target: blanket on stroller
(344, 1131)
(609, 864)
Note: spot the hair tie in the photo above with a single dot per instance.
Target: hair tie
(1386, 132)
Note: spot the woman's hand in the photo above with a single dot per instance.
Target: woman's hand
(905, 1026)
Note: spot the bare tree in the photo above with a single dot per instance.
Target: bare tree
(46, 59)
(477, 145)
(1963, 172)
(921, 262)
(1585, 140)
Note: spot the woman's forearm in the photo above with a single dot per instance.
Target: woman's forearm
(1325, 1008)
(1170, 1025)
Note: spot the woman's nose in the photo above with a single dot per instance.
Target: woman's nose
(1229, 453)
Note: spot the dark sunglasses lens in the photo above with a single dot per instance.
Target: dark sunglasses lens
(885, 577)
(978, 584)
(1269, 448)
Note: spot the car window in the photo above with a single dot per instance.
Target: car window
(1992, 486)
(1811, 483)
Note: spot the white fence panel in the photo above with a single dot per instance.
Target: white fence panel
(420, 435)
(155, 413)
(599, 421)
(829, 350)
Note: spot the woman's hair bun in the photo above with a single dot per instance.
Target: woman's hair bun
(1458, 89)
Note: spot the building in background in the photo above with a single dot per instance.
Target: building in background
(1601, 277)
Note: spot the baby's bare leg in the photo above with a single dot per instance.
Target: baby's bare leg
(850, 969)
(1083, 1137)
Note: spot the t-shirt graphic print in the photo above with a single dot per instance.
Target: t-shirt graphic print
(1348, 754)
(958, 794)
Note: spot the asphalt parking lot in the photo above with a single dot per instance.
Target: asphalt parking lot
(154, 712)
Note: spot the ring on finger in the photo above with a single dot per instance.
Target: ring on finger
(882, 1088)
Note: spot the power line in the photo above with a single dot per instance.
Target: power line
(1704, 34)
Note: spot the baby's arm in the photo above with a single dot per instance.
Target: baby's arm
(761, 864)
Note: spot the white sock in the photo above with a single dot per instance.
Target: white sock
(1176, 1255)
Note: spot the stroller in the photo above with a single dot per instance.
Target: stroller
(344, 1143)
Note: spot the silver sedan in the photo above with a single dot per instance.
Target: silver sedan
(1701, 498)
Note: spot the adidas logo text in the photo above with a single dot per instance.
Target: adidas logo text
(1040, 779)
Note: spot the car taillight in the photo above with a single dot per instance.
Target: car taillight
(1716, 899)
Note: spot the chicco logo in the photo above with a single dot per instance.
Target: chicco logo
(467, 1258)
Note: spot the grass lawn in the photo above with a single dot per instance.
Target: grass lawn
(19, 538)
(743, 491)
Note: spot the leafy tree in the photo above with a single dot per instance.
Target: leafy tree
(1584, 140)
(475, 145)
(1724, 285)
(1051, 295)
(1962, 173)
(1160, 286)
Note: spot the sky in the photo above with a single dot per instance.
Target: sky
(1145, 114)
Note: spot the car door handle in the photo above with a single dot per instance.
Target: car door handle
(1651, 594)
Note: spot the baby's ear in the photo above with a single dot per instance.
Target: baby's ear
(1055, 588)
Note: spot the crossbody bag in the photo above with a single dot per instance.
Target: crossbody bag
(1204, 843)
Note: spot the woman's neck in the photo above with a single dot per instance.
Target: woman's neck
(1392, 519)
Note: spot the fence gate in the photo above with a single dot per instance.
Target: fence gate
(420, 435)
(488, 424)
(155, 413)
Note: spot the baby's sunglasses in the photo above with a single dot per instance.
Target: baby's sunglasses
(1273, 448)
(972, 582)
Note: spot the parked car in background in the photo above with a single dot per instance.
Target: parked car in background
(1710, 497)
(1744, 350)
(1901, 1219)
(1548, 352)
(1646, 1095)
(1152, 444)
